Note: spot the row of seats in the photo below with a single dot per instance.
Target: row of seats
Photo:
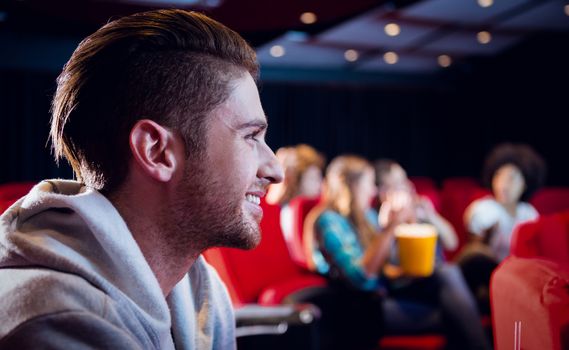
(269, 275)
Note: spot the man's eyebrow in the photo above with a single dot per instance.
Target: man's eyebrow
(262, 124)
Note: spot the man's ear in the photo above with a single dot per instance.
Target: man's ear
(154, 149)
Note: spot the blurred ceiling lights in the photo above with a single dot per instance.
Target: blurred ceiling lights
(444, 61)
(392, 29)
(390, 57)
(485, 3)
(277, 51)
(308, 18)
(484, 37)
(351, 55)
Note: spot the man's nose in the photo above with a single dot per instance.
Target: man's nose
(270, 168)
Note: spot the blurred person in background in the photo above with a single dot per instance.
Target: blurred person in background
(303, 167)
(392, 180)
(513, 172)
(347, 244)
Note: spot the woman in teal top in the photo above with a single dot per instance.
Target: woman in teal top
(349, 249)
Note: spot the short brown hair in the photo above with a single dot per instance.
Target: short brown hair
(383, 167)
(171, 66)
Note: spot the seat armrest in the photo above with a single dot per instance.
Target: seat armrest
(530, 304)
(254, 319)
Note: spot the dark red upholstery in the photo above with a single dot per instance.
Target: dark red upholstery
(530, 289)
(456, 195)
(422, 183)
(547, 237)
(551, 199)
(249, 273)
(459, 183)
(425, 186)
(300, 207)
(11, 192)
(426, 342)
(278, 292)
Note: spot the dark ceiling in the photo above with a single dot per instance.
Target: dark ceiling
(346, 36)
(256, 19)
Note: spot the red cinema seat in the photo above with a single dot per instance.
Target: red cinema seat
(11, 192)
(422, 182)
(530, 288)
(258, 282)
(459, 183)
(425, 186)
(299, 207)
(266, 274)
(456, 195)
(551, 199)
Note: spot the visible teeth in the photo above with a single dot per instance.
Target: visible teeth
(253, 199)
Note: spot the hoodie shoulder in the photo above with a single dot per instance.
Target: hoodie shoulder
(34, 293)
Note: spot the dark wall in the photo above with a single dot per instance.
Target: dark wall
(439, 131)
(371, 121)
(24, 113)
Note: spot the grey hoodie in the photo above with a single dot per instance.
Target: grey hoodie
(73, 277)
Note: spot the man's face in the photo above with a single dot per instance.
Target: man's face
(223, 191)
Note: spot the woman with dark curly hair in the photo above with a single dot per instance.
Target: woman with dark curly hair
(513, 172)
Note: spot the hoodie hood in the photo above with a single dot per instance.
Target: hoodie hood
(68, 227)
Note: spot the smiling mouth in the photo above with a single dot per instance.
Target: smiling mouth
(253, 199)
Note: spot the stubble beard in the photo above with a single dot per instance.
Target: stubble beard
(207, 216)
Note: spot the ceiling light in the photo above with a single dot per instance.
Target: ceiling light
(392, 29)
(277, 51)
(444, 61)
(484, 37)
(351, 55)
(308, 18)
(485, 3)
(567, 10)
(390, 57)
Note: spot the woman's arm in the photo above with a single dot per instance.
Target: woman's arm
(378, 251)
(445, 230)
(339, 242)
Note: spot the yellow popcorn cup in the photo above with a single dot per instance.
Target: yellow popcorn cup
(417, 246)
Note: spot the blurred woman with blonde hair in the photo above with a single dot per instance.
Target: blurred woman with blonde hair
(346, 245)
(303, 167)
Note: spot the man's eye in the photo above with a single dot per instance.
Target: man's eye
(254, 136)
